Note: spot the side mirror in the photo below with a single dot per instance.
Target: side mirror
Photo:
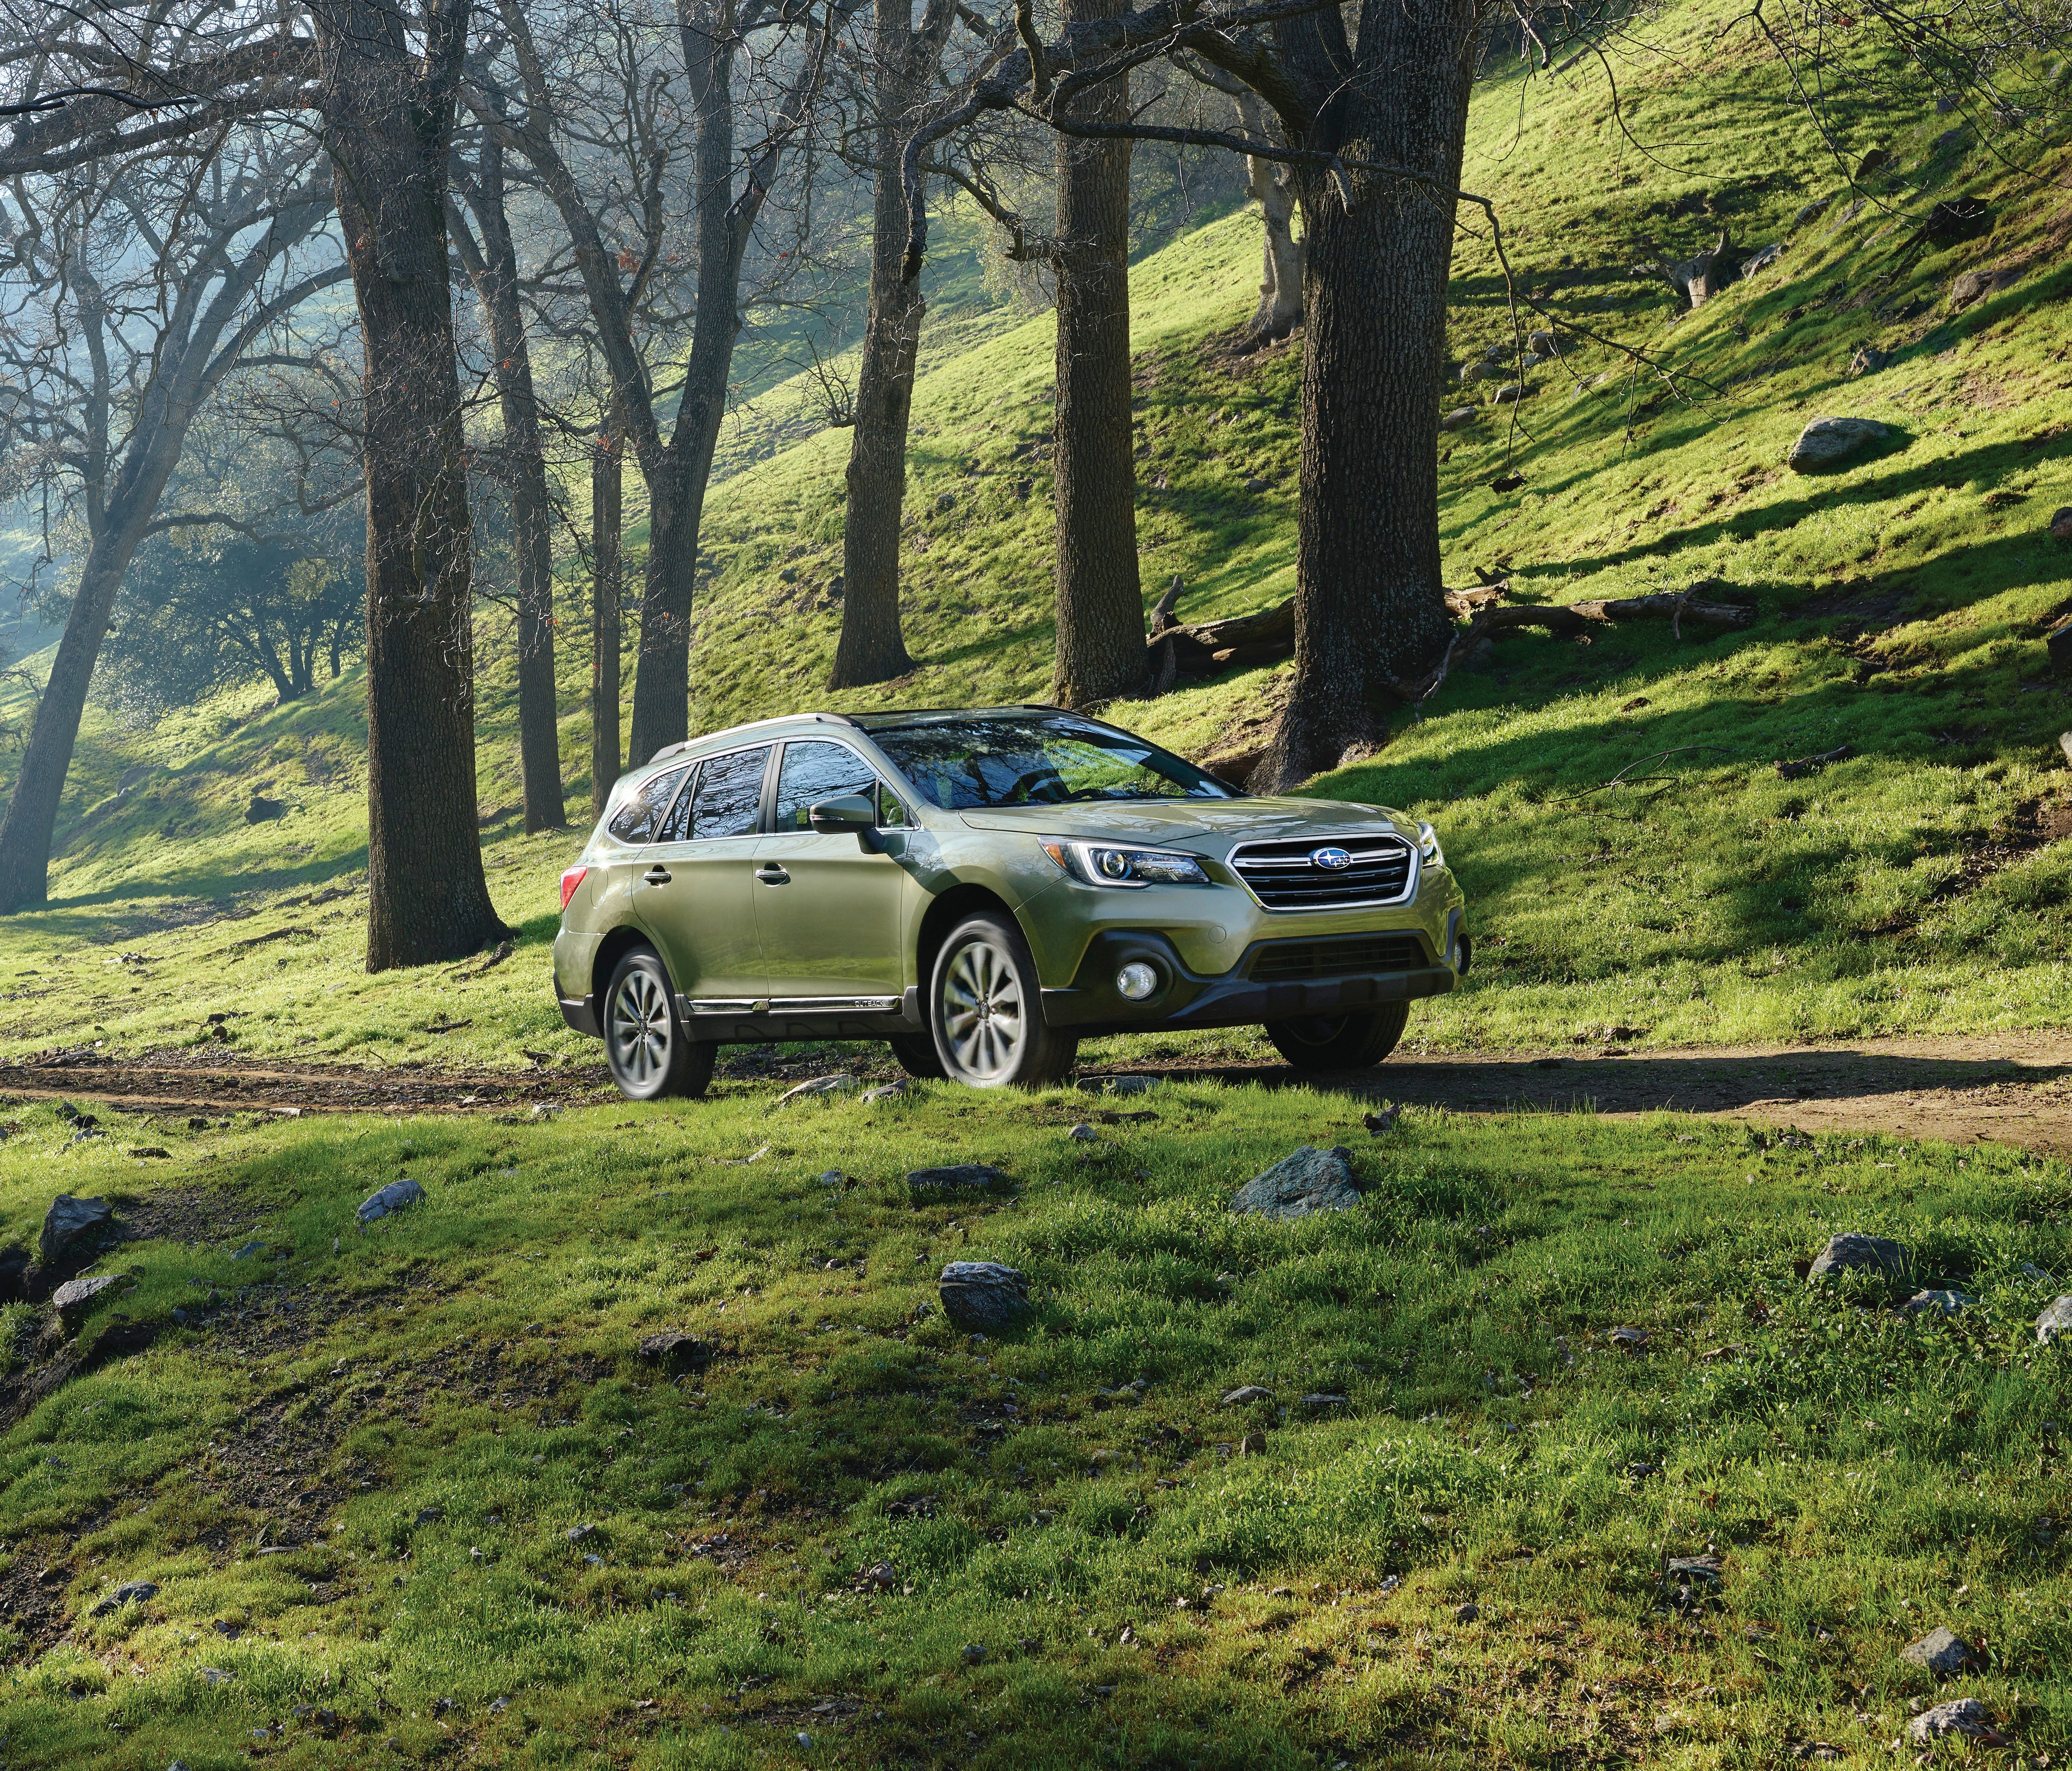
(853, 812)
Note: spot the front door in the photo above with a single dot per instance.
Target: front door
(695, 898)
(827, 910)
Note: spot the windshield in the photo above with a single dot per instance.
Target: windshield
(1043, 760)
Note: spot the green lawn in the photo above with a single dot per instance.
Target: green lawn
(354, 1475)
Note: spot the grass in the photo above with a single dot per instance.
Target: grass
(354, 1474)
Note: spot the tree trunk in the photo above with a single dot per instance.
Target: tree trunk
(1100, 603)
(1369, 607)
(872, 648)
(605, 486)
(494, 273)
(31, 825)
(389, 117)
(1273, 186)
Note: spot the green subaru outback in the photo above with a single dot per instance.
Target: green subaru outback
(983, 889)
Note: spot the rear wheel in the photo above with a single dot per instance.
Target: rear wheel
(650, 1053)
(1350, 1042)
(986, 1009)
(916, 1053)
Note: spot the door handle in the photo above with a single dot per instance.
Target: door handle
(656, 876)
(771, 874)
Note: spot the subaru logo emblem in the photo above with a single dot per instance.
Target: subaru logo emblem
(1336, 860)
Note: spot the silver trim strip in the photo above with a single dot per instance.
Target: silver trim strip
(812, 1005)
(722, 1005)
(1412, 880)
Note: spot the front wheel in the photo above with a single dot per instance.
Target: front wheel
(1351, 1041)
(650, 1053)
(986, 1009)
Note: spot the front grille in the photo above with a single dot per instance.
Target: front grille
(1279, 962)
(1283, 876)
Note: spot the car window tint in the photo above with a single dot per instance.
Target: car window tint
(813, 772)
(891, 814)
(641, 816)
(1036, 760)
(676, 827)
(730, 794)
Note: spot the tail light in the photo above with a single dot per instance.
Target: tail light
(570, 880)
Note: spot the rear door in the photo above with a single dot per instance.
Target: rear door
(697, 880)
(827, 910)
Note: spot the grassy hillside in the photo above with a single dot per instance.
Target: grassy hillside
(1639, 870)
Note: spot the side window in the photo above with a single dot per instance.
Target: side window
(891, 814)
(676, 827)
(729, 800)
(815, 771)
(641, 816)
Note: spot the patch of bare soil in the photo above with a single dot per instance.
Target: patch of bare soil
(2014, 1089)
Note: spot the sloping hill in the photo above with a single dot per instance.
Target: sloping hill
(1641, 871)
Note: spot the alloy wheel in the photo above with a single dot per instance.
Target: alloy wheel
(984, 1015)
(640, 1028)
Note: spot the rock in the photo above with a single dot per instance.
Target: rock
(885, 1092)
(136, 1592)
(1965, 1718)
(973, 1653)
(957, 1177)
(982, 1297)
(1868, 360)
(1255, 484)
(1384, 1121)
(2056, 1319)
(1852, 212)
(248, 1250)
(1478, 371)
(1466, 1612)
(1459, 418)
(1308, 1180)
(1083, 1134)
(1872, 163)
(2035, 1274)
(1245, 1395)
(1817, 207)
(1825, 441)
(214, 1676)
(1851, 1252)
(2061, 522)
(1320, 1400)
(576, 1533)
(73, 1296)
(1942, 1651)
(143, 1150)
(1632, 1339)
(264, 811)
(430, 1515)
(881, 1576)
(1695, 1568)
(946, 501)
(397, 1196)
(1941, 1303)
(1542, 343)
(1119, 1085)
(69, 1218)
(819, 1085)
(680, 1352)
(1508, 395)
(834, 1177)
(1761, 258)
(1975, 285)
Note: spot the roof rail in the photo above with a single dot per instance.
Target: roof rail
(729, 731)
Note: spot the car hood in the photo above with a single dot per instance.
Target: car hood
(1209, 827)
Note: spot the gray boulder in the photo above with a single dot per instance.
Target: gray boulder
(957, 1177)
(1541, 343)
(2056, 1319)
(1942, 1651)
(1458, 419)
(1852, 1252)
(1965, 1718)
(1826, 442)
(397, 1196)
(1924, 1303)
(1308, 1180)
(67, 1220)
(983, 1297)
(73, 1297)
(1761, 258)
(1508, 395)
(136, 1592)
(1868, 360)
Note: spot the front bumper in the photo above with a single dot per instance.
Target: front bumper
(1401, 966)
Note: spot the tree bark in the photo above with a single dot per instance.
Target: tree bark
(605, 488)
(1101, 602)
(388, 111)
(1273, 187)
(493, 269)
(1369, 607)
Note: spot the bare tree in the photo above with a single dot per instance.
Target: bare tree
(132, 291)
(1271, 186)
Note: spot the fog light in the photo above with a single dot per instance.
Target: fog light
(1136, 980)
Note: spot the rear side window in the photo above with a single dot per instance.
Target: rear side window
(814, 772)
(640, 818)
(728, 800)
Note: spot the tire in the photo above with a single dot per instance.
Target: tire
(1351, 1041)
(916, 1054)
(650, 1053)
(985, 1009)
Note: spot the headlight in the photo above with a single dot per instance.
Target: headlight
(1100, 864)
(1428, 846)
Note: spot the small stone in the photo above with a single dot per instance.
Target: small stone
(819, 1085)
(73, 1296)
(1321, 1400)
(136, 1592)
(1542, 343)
(542, 1112)
(1826, 440)
(2061, 522)
(1853, 1252)
(1695, 1568)
(1119, 1085)
(1245, 1395)
(1459, 418)
(973, 1653)
(956, 1177)
(69, 1218)
(1083, 1134)
(2056, 1319)
(1941, 1303)
(982, 1297)
(881, 1576)
(143, 1150)
(1384, 1121)
(1306, 1180)
(1632, 1339)
(1255, 484)
(248, 1250)
(1466, 1612)
(806, 1741)
(214, 1676)
(430, 1515)
(593, 1561)
(946, 501)
(1761, 258)
(397, 1196)
(677, 1351)
(1868, 360)
(885, 1092)
(1942, 1651)
(1508, 395)
(833, 1177)
(1816, 207)
(1975, 285)
(576, 1533)
(1965, 1717)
